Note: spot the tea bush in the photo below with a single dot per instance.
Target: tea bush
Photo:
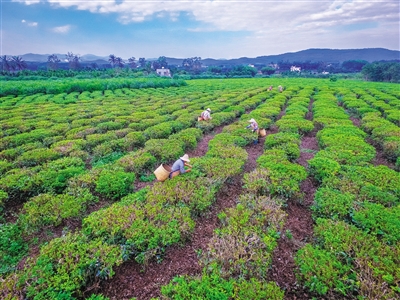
(322, 168)
(295, 125)
(322, 271)
(53, 176)
(197, 194)
(67, 264)
(18, 183)
(281, 138)
(331, 203)
(275, 178)
(135, 139)
(114, 183)
(189, 137)
(229, 151)
(12, 247)
(218, 169)
(143, 229)
(206, 287)
(376, 264)
(138, 162)
(380, 221)
(164, 150)
(376, 184)
(243, 248)
(36, 157)
(225, 139)
(48, 209)
(212, 286)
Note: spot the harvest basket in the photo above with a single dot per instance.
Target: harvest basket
(162, 172)
(262, 132)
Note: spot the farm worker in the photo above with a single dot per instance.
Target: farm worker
(205, 115)
(280, 89)
(253, 125)
(179, 166)
(270, 88)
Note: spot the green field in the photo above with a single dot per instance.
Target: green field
(75, 154)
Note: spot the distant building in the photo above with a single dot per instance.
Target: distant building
(275, 66)
(295, 69)
(164, 72)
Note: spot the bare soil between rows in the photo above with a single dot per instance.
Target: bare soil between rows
(135, 280)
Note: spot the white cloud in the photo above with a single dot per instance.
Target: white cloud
(27, 2)
(232, 15)
(62, 29)
(271, 25)
(30, 24)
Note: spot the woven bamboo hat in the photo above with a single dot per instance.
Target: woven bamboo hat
(185, 158)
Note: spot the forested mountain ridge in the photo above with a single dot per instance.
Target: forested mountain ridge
(312, 55)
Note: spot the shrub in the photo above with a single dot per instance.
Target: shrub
(321, 168)
(115, 183)
(374, 262)
(197, 194)
(159, 131)
(54, 175)
(164, 150)
(67, 265)
(322, 271)
(228, 151)
(107, 126)
(37, 157)
(12, 247)
(18, 183)
(143, 229)
(257, 290)
(380, 221)
(189, 137)
(243, 248)
(207, 287)
(138, 162)
(134, 139)
(3, 198)
(331, 203)
(225, 139)
(217, 168)
(295, 125)
(48, 209)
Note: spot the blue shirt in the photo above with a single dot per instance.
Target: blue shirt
(178, 165)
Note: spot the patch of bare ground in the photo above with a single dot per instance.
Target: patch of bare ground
(133, 280)
(298, 229)
(379, 158)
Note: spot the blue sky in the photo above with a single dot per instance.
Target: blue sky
(208, 29)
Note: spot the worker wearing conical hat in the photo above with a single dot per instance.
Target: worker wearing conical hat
(205, 115)
(253, 125)
(179, 166)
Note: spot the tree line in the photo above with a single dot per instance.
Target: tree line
(377, 71)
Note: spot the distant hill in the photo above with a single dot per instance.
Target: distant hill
(312, 55)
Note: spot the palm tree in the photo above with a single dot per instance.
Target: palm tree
(5, 63)
(18, 63)
(132, 62)
(119, 62)
(73, 60)
(112, 60)
(53, 61)
(142, 62)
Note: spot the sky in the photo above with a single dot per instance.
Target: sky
(207, 29)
